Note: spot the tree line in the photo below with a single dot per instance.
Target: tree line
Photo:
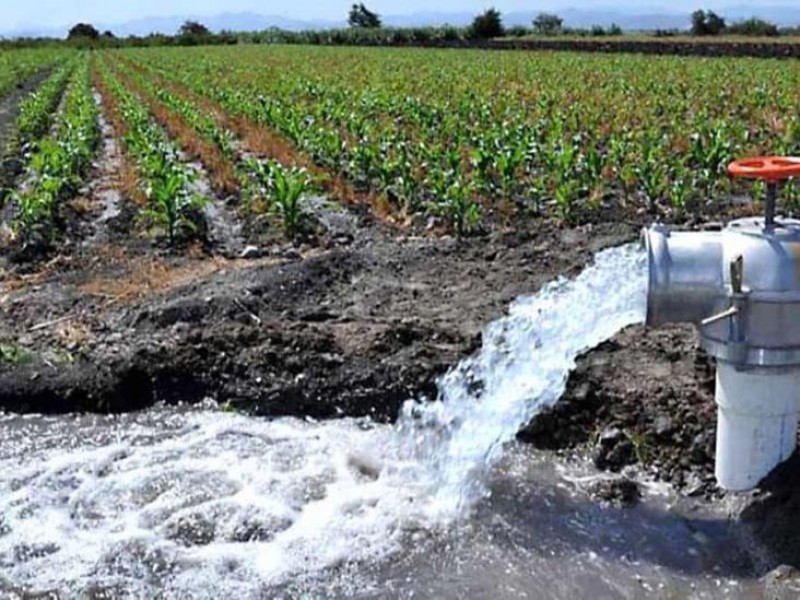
(191, 33)
(707, 22)
(489, 25)
(366, 26)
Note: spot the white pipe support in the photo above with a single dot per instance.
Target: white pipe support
(757, 423)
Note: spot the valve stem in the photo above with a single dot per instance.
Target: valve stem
(737, 274)
(769, 204)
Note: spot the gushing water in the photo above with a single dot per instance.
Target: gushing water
(522, 368)
(205, 502)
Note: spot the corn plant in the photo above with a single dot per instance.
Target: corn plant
(565, 128)
(288, 190)
(461, 211)
(171, 204)
(202, 123)
(35, 118)
(679, 192)
(283, 189)
(33, 214)
(16, 66)
(565, 195)
(37, 109)
(166, 179)
(58, 162)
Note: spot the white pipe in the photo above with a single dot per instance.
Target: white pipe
(757, 423)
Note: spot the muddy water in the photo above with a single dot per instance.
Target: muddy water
(201, 502)
(224, 229)
(540, 535)
(104, 186)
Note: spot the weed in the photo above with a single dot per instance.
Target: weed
(642, 448)
(14, 354)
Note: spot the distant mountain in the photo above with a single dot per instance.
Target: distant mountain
(244, 21)
(782, 15)
(629, 17)
(573, 17)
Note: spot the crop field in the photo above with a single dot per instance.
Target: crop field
(235, 139)
(17, 66)
(197, 242)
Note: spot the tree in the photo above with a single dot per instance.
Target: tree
(361, 16)
(698, 23)
(714, 23)
(194, 29)
(707, 23)
(83, 30)
(547, 24)
(753, 26)
(488, 25)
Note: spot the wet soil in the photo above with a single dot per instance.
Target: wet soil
(645, 397)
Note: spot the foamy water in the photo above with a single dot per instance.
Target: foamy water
(199, 503)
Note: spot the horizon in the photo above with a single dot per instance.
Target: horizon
(64, 14)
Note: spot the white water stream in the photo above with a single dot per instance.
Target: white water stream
(203, 502)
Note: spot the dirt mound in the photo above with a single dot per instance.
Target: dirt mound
(352, 330)
(646, 397)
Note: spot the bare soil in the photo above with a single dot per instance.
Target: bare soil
(354, 326)
(645, 397)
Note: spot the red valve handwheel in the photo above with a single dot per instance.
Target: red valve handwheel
(768, 168)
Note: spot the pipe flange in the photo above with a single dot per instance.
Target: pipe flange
(745, 355)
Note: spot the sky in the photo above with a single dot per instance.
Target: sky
(46, 13)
